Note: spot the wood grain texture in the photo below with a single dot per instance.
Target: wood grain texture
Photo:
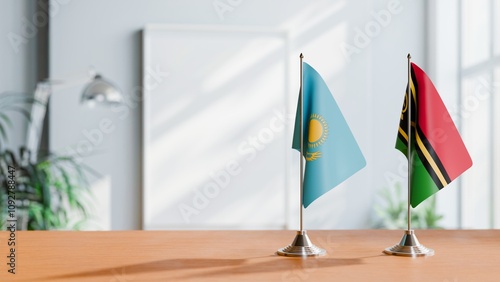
(461, 255)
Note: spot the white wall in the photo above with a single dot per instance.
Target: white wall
(368, 86)
(17, 57)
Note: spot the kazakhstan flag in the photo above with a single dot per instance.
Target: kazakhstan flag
(331, 152)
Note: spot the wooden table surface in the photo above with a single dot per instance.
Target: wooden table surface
(461, 255)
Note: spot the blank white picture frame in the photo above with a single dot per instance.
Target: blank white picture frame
(216, 132)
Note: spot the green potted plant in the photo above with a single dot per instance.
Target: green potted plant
(51, 192)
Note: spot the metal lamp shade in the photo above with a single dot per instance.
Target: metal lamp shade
(101, 91)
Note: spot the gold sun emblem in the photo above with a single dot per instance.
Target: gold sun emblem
(318, 133)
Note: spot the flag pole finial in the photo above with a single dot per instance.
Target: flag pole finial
(408, 56)
(301, 56)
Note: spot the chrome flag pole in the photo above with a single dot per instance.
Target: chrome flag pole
(409, 245)
(301, 245)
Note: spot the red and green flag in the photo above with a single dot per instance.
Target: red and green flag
(438, 154)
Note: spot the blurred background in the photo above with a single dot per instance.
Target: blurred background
(202, 137)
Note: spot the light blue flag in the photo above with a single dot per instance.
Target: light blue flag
(331, 152)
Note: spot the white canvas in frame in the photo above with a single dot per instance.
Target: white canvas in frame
(215, 134)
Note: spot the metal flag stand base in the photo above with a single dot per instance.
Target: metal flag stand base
(409, 247)
(301, 247)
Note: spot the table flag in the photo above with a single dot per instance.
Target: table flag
(331, 152)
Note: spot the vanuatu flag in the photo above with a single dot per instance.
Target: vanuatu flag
(438, 154)
(331, 152)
